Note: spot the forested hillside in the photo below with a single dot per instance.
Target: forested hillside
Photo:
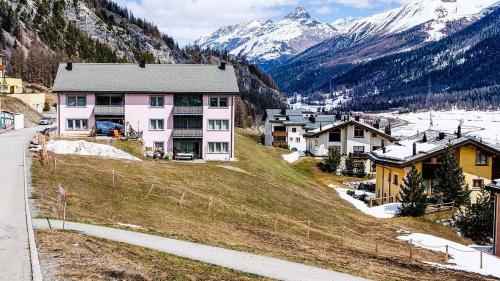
(462, 69)
(36, 35)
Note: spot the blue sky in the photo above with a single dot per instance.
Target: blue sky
(188, 20)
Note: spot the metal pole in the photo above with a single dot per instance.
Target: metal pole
(64, 213)
(481, 259)
(411, 249)
(447, 253)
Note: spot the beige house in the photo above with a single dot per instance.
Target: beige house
(9, 85)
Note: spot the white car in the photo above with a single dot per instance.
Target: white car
(45, 121)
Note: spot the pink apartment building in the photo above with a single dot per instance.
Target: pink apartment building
(179, 108)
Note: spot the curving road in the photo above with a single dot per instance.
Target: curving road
(15, 261)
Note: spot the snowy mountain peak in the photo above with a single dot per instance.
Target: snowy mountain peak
(268, 42)
(298, 13)
(436, 13)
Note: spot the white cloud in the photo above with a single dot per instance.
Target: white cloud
(188, 20)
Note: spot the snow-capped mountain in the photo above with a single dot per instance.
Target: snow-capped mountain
(436, 13)
(268, 42)
(413, 25)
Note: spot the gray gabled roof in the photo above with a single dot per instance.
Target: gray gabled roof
(154, 78)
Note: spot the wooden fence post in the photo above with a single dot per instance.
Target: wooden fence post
(308, 228)
(376, 244)
(447, 253)
(113, 178)
(411, 249)
(276, 223)
(481, 259)
(211, 202)
(182, 196)
(55, 165)
(342, 239)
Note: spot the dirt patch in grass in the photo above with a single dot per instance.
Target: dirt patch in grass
(73, 256)
(268, 211)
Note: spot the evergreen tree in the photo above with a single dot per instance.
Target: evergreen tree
(348, 167)
(331, 161)
(360, 169)
(476, 222)
(412, 197)
(450, 180)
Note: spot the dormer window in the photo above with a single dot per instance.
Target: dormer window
(359, 132)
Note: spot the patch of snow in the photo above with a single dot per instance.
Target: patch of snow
(294, 156)
(129, 225)
(236, 169)
(482, 124)
(88, 149)
(461, 257)
(382, 212)
(404, 149)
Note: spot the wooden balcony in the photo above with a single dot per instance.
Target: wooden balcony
(280, 144)
(109, 110)
(188, 133)
(188, 110)
(358, 156)
(280, 134)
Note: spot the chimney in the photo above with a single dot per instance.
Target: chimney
(283, 111)
(312, 119)
(414, 149)
(383, 145)
(222, 65)
(69, 66)
(320, 127)
(424, 139)
(459, 131)
(388, 129)
(441, 136)
(142, 64)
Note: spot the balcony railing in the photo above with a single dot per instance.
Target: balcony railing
(280, 144)
(188, 110)
(109, 110)
(188, 133)
(280, 134)
(358, 155)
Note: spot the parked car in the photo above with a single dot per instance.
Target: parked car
(45, 121)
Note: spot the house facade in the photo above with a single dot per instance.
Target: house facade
(177, 108)
(477, 159)
(287, 128)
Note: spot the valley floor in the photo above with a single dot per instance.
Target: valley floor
(259, 204)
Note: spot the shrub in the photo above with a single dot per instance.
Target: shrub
(476, 222)
(330, 162)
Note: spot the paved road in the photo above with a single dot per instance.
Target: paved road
(241, 261)
(14, 244)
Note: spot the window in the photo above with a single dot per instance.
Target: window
(334, 136)
(297, 140)
(77, 125)
(291, 139)
(316, 142)
(375, 147)
(481, 158)
(218, 147)
(218, 102)
(359, 132)
(395, 180)
(294, 130)
(159, 146)
(218, 125)
(156, 124)
(477, 183)
(358, 149)
(74, 101)
(156, 101)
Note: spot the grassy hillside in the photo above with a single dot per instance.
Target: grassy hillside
(259, 204)
(79, 257)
